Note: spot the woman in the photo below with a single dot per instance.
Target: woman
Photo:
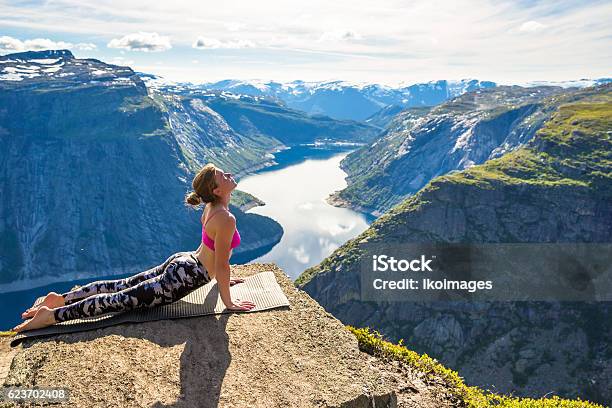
(179, 275)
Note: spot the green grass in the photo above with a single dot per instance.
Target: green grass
(469, 396)
(241, 199)
(574, 148)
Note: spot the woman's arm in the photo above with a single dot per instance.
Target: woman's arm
(223, 240)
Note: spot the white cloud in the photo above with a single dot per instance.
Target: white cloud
(305, 206)
(45, 44)
(339, 35)
(141, 41)
(11, 44)
(531, 26)
(85, 46)
(204, 43)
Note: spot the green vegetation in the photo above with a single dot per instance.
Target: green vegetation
(468, 396)
(574, 148)
(135, 103)
(376, 182)
(243, 199)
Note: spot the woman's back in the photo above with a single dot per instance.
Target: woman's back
(210, 224)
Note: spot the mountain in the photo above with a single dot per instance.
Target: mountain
(383, 117)
(299, 356)
(337, 99)
(263, 116)
(94, 174)
(352, 100)
(420, 144)
(94, 166)
(554, 188)
(361, 101)
(256, 115)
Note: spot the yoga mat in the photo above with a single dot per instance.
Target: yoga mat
(262, 289)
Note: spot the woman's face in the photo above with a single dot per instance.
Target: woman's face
(225, 182)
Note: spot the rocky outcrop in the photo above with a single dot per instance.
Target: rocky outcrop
(556, 188)
(299, 356)
(386, 115)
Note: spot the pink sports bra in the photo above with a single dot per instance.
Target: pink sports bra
(211, 243)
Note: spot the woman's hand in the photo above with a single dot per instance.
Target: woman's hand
(234, 281)
(241, 305)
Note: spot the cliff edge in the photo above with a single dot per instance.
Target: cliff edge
(300, 356)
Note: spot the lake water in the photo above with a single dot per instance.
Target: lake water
(295, 194)
(294, 191)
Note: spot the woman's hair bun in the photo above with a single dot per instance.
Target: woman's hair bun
(193, 199)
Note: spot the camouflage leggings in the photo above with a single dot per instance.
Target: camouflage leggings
(179, 275)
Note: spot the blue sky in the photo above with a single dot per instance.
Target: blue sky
(383, 41)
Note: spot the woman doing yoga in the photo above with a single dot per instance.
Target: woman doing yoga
(179, 275)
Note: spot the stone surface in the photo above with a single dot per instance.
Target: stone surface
(298, 357)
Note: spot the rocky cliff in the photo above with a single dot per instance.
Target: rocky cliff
(93, 172)
(556, 188)
(94, 166)
(419, 144)
(299, 356)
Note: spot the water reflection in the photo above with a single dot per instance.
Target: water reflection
(295, 197)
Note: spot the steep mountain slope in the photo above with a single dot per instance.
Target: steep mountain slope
(93, 173)
(556, 188)
(420, 145)
(256, 116)
(95, 165)
(264, 116)
(386, 115)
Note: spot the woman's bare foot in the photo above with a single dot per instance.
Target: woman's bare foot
(44, 317)
(52, 300)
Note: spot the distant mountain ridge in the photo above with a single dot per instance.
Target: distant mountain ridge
(347, 100)
(355, 100)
